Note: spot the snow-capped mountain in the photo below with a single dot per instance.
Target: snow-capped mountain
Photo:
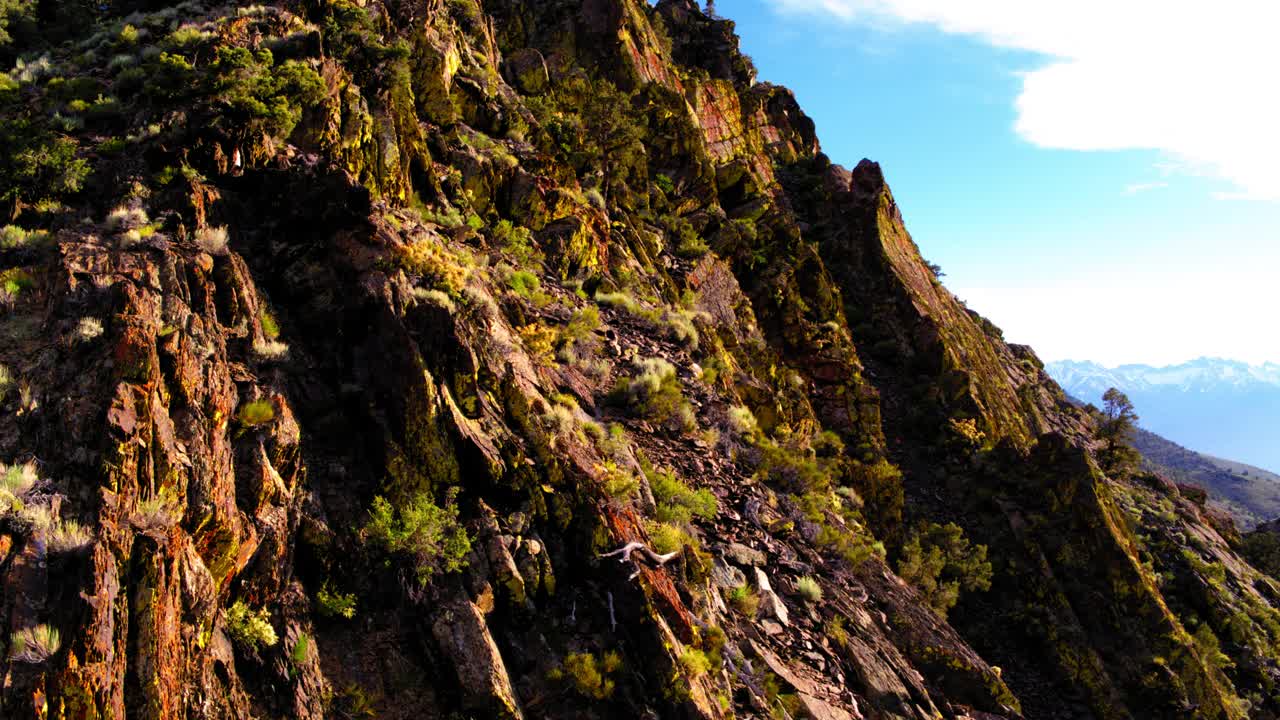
(1223, 407)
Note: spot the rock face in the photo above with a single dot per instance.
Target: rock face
(344, 341)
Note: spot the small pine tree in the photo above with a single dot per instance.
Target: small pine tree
(1116, 455)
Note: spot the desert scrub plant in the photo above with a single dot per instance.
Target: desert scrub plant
(809, 589)
(68, 536)
(695, 662)
(126, 218)
(212, 240)
(449, 218)
(428, 535)
(6, 381)
(433, 263)
(588, 675)
(336, 604)
(677, 502)
(270, 349)
(156, 513)
(680, 327)
(517, 242)
(270, 326)
(668, 537)
(250, 628)
(435, 297)
(742, 422)
(527, 285)
(654, 392)
(13, 237)
(89, 328)
(940, 562)
(34, 645)
(618, 482)
(15, 482)
(539, 341)
(14, 281)
(621, 300)
(255, 413)
(743, 599)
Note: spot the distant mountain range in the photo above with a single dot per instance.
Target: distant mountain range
(1226, 408)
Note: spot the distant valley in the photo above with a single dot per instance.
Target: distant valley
(1226, 408)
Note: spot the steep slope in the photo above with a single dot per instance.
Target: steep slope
(528, 359)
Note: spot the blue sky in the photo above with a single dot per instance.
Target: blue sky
(1093, 200)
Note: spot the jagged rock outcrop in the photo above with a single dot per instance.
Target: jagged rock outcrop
(345, 343)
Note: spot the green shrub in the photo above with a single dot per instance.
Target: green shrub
(677, 502)
(940, 562)
(15, 280)
(34, 645)
(654, 391)
(300, 647)
(695, 662)
(524, 283)
(68, 536)
(429, 535)
(744, 600)
(250, 628)
(429, 260)
(582, 325)
(517, 242)
(667, 538)
(256, 412)
(15, 482)
(809, 589)
(336, 604)
(270, 327)
(618, 482)
(588, 675)
(13, 237)
(617, 300)
(37, 165)
(664, 183)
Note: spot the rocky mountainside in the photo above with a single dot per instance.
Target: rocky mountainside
(1224, 407)
(529, 359)
(1251, 495)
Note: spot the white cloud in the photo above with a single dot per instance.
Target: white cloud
(1114, 320)
(1191, 79)
(1136, 188)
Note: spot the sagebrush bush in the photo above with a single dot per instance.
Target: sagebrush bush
(212, 240)
(744, 600)
(68, 536)
(256, 412)
(250, 628)
(34, 645)
(588, 675)
(430, 536)
(940, 562)
(676, 501)
(333, 603)
(435, 297)
(809, 589)
(89, 328)
(156, 513)
(621, 300)
(433, 263)
(654, 391)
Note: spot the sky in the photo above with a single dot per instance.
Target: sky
(1101, 179)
